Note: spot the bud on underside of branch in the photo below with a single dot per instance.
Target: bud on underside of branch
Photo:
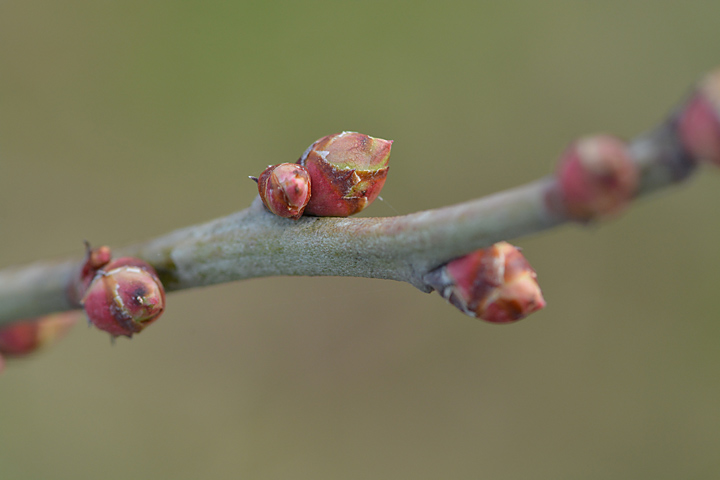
(28, 336)
(596, 177)
(124, 297)
(699, 121)
(347, 171)
(496, 284)
(285, 189)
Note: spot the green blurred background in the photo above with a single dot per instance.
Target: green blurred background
(121, 121)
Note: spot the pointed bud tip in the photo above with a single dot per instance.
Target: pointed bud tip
(347, 171)
(95, 259)
(514, 300)
(495, 284)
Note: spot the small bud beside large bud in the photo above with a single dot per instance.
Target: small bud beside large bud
(285, 189)
(337, 176)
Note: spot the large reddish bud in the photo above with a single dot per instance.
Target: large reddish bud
(596, 177)
(347, 171)
(124, 297)
(285, 189)
(496, 284)
(28, 336)
(699, 121)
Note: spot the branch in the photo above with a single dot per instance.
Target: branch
(255, 243)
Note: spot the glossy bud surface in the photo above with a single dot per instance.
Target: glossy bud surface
(347, 171)
(496, 284)
(285, 189)
(124, 297)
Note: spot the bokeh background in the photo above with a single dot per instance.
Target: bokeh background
(121, 121)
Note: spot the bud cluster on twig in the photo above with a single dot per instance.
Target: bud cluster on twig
(457, 250)
(121, 297)
(337, 176)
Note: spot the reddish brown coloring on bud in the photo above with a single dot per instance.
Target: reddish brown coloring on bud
(19, 338)
(98, 257)
(285, 189)
(95, 259)
(699, 122)
(347, 171)
(124, 297)
(29, 335)
(496, 284)
(596, 177)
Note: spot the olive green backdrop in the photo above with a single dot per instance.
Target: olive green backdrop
(120, 121)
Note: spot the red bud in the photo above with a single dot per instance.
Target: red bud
(124, 297)
(27, 336)
(285, 189)
(496, 284)
(597, 177)
(95, 259)
(347, 171)
(699, 122)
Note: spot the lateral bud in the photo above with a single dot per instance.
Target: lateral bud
(699, 121)
(596, 177)
(496, 284)
(285, 189)
(124, 297)
(347, 171)
(27, 336)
